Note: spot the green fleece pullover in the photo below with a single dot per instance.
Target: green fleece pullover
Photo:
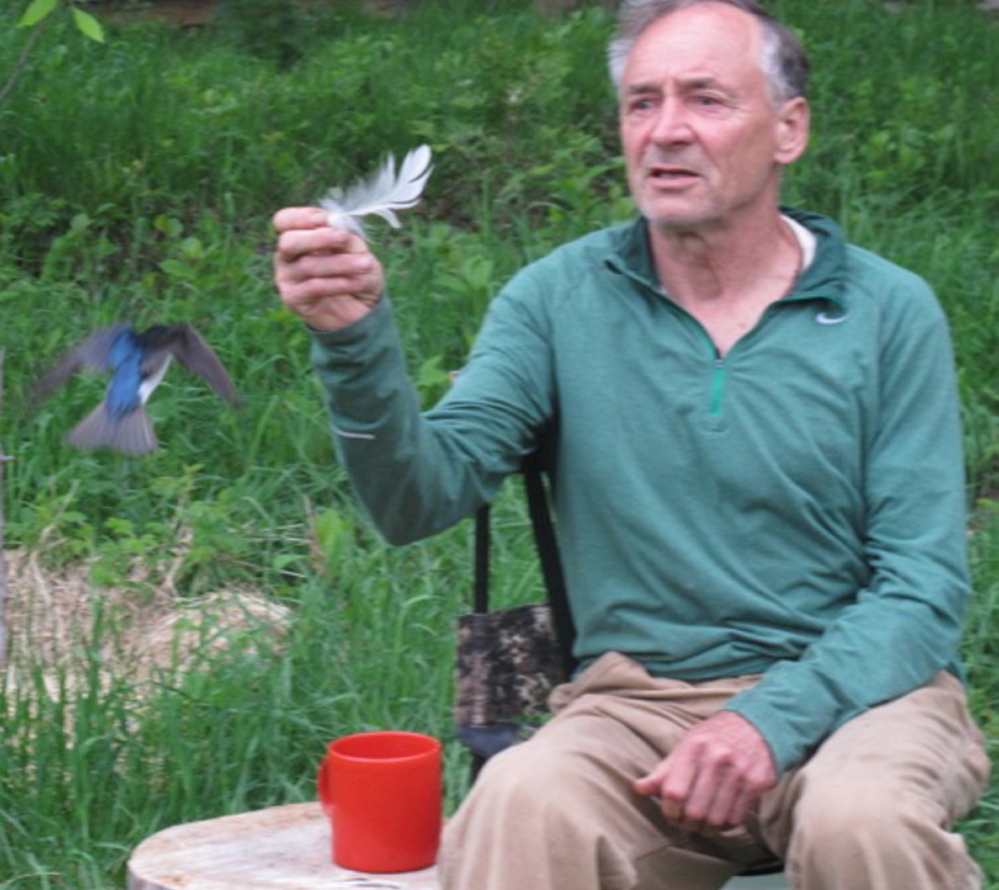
(794, 509)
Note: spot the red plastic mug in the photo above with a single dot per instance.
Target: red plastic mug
(382, 794)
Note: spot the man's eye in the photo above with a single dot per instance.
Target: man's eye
(640, 105)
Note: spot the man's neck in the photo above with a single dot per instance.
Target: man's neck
(724, 263)
(726, 277)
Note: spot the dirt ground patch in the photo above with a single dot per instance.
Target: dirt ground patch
(51, 617)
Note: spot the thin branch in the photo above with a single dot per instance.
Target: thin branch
(22, 62)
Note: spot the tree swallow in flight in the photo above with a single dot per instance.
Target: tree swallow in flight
(137, 362)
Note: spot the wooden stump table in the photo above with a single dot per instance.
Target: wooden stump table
(280, 848)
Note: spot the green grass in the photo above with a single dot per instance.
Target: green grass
(137, 180)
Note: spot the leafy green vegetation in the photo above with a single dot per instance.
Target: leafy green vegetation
(137, 180)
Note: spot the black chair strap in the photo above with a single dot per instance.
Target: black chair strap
(480, 591)
(551, 565)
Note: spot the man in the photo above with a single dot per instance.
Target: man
(760, 501)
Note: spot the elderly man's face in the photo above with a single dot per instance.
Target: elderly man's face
(703, 139)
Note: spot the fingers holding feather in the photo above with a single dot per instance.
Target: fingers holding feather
(322, 266)
(335, 261)
(291, 218)
(309, 248)
(303, 230)
(327, 275)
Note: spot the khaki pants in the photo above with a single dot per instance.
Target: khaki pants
(870, 810)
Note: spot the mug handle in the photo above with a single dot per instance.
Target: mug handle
(321, 779)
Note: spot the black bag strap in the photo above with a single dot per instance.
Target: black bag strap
(480, 591)
(546, 544)
(551, 564)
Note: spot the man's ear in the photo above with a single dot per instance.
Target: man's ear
(793, 120)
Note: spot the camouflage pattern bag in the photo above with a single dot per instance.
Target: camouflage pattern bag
(508, 662)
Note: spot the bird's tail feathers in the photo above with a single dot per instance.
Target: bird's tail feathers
(131, 434)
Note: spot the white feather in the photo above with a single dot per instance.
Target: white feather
(380, 194)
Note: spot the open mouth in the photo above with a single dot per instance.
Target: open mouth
(663, 173)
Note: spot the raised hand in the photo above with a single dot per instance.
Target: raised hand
(325, 274)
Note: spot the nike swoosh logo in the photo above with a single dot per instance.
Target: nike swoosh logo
(826, 318)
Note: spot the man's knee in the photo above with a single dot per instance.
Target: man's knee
(839, 814)
(531, 772)
(869, 825)
(529, 821)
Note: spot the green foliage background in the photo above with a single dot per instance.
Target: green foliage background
(137, 179)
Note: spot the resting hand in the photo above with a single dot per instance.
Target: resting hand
(326, 275)
(715, 775)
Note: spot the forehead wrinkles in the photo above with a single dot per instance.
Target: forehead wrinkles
(705, 43)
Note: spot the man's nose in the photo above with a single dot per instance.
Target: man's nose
(672, 123)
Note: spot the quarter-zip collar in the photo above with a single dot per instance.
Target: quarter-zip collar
(822, 280)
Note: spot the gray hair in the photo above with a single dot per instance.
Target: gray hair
(784, 61)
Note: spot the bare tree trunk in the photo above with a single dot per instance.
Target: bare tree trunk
(3, 560)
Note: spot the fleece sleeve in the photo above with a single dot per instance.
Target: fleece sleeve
(906, 624)
(414, 472)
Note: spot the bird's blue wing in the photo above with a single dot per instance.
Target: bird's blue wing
(92, 354)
